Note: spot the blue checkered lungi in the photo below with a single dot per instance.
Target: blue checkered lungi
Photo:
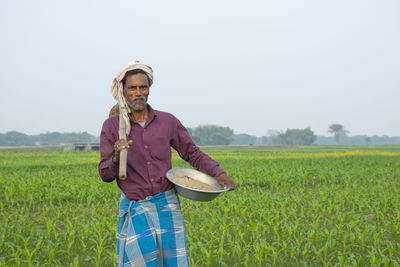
(151, 232)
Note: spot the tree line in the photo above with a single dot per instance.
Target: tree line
(14, 138)
(216, 135)
(307, 137)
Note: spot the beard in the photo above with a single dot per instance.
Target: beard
(137, 106)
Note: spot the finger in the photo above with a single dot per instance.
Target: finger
(229, 185)
(119, 147)
(126, 145)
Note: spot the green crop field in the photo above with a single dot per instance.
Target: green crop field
(316, 206)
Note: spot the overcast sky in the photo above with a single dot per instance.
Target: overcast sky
(249, 65)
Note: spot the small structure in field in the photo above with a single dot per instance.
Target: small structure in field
(81, 147)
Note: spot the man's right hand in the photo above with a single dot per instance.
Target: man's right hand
(120, 145)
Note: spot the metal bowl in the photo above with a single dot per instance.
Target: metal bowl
(195, 194)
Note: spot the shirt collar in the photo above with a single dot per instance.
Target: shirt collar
(152, 113)
(150, 116)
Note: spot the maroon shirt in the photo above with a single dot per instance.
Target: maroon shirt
(149, 157)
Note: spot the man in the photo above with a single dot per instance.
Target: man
(150, 223)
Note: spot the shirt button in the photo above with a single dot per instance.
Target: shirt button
(148, 163)
(152, 180)
(145, 146)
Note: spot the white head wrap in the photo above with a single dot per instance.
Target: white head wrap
(117, 90)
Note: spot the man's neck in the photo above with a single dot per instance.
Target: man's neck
(140, 116)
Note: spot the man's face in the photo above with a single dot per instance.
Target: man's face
(136, 91)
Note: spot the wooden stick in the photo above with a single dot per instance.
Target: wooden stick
(123, 157)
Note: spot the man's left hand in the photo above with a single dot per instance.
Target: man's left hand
(225, 181)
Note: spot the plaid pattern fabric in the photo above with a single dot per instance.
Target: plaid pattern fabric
(151, 232)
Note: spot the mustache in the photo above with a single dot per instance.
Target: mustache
(137, 98)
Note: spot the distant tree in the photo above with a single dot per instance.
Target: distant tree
(264, 140)
(14, 138)
(213, 135)
(244, 139)
(274, 137)
(55, 138)
(299, 137)
(338, 132)
(302, 137)
(367, 140)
